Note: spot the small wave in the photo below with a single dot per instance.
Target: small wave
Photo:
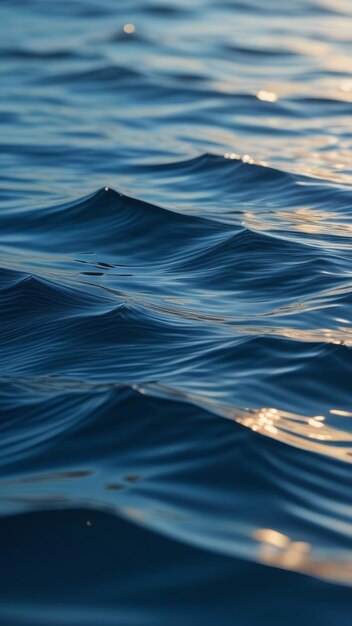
(157, 491)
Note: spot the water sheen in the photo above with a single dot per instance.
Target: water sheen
(175, 307)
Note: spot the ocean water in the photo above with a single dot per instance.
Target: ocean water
(176, 313)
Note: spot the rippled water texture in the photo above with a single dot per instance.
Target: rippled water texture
(175, 306)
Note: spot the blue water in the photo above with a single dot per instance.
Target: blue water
(175, 308)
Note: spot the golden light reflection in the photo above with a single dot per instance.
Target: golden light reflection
(279, 550)
(312, 433)
(232, 155)
(267, 96)
(245, 158)
(271, 537)
(248, 159)
(341, 336)
(129, 28)
(308, 433)
(340, 413)
(303, 220)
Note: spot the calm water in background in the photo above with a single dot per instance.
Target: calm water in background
(175, 304)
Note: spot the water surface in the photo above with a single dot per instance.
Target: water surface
(176, 329)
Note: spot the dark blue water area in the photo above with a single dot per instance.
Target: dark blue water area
(175, 313)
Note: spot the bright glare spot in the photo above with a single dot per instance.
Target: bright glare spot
(248, 159)
(315, 423)
(271, 537)
(267, 96)
(232, 155)
(106, 188)
(129, 28)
